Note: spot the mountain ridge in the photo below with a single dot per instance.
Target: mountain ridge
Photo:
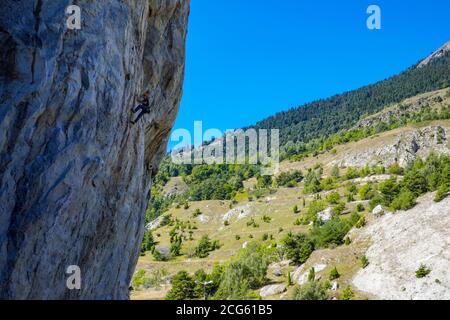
(435, 55)
(329, 115)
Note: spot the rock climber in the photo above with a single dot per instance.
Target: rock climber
(144, 107)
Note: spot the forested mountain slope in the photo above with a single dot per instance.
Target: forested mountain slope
(327, 116)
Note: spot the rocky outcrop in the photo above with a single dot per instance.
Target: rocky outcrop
(435, 55)
(435, 100)
(401, 148)
(401, 242)
(75, 175)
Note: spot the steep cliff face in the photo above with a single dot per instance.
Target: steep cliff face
(75, 174)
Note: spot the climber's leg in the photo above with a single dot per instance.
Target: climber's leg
(139, 107)
(138, 118)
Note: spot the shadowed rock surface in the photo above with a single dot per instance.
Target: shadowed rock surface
(75, 175)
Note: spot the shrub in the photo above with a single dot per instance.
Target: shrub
(364, 261)
(395, 169)
(298, 247)
(352, 173)
(264, 182)
(289, 179)
(205, 246)
(442, 193)
(313, 209)
(237, 237)
(354, 218)
(335, 171)
(158, 256)
(415, 182)
(312, 290)
(183, 287)
(360, 207)
(328, 183)
(364, 172)
(245, 272)
(339, 208)
(226, 223)
(404, 201)
(366, 192)
(138, 279)
(156, 278)
(361, 222)
(334, 274)
(165, 220)
(312, 182)
(332, 232)
(333, 198)
(295, 209)
(175, 246)
(312, 274)
(423, 271)
(148, 243)
(196, 213)
(347, 294)
(252, 223)
(289, 279)
(389, 190)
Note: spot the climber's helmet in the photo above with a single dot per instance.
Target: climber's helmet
(146, 94)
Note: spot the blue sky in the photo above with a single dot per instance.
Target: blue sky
(248, 59)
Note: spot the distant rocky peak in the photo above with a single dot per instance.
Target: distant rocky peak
(435, 55)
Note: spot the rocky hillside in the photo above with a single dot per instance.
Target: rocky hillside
(265, 216)
(75, 174)
(400, 243)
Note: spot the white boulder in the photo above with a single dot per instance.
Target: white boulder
(325, 215)
(272, 290)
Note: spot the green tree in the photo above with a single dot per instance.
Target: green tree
(312, 182)
(264, 182)
(148, 243)
(347, 294)
(333, 197)
(175, 246)
(334, 274)
(415, 182)
(247, 271)
(183, 287)
(331, 232)
(404, 201)
(312, 275)
(205, 246)
(298, 247)
(389, 190)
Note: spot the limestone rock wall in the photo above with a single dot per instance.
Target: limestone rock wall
(75, 174)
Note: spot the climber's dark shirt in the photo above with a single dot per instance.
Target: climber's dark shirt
(145, 102)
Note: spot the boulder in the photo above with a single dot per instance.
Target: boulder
(335, 286)
(378, 211)
(272, 290)
(325, 215)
